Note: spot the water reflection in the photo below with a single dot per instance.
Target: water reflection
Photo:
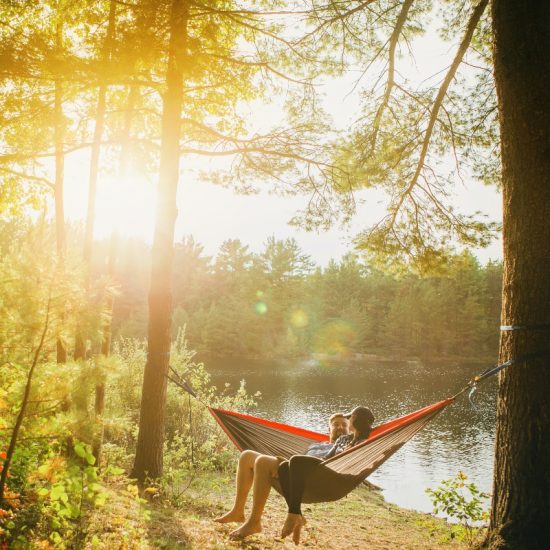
(305, 394)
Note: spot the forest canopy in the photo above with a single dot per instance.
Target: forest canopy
(278, 303)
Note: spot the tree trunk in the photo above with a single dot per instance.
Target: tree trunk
(80, 338)
(520, 516)
(24, 402)
(59, 133)
(99, 405)
(149, 452)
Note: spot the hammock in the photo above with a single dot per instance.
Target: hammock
(337, 476)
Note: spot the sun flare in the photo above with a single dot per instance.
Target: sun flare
(127, 206)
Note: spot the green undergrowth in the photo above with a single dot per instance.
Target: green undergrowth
(181, 517)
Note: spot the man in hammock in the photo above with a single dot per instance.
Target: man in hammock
(257, 470)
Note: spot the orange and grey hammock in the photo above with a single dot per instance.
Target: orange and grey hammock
(335, 477)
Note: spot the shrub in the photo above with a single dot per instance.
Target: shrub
(461, 501)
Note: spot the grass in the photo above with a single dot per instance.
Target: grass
(185, 521)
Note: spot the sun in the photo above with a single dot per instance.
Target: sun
(127, 206)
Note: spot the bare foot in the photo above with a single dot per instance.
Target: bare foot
(246, 529)
(291, 522)
(296, 533)
(230, 517)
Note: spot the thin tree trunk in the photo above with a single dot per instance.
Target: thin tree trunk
(80, 339)
(99, 407)
(59, 133)
(24, 402)
(520, 516)
(148, 461)
(113, 253)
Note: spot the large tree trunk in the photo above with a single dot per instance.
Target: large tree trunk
(148, 461)
(520, 517)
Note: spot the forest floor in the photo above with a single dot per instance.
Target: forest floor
(362, 520)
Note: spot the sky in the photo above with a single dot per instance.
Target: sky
(213, 214)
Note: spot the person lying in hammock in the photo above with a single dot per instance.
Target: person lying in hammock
(258, 470)
(293, 473)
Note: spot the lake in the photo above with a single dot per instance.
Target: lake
(306, 392)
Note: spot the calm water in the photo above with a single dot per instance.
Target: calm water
(306, 393)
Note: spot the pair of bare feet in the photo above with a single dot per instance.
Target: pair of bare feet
(293, 524)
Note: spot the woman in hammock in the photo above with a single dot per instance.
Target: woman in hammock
(257, 470)
(293, 473)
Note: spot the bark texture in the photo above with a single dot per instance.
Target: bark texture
(148, 461)
(520, 516)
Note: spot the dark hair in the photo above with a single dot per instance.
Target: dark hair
(362, 422)
(363, 427)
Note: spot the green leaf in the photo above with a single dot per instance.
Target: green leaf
(80, 450)
(57, 492)
(90, 459)
(91, 473)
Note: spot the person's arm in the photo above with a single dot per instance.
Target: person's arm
(332, 451)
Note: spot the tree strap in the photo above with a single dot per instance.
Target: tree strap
(472, 384)
(524, 327)
(526, 357)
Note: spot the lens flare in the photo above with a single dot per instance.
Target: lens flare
(299, 318)
(335, 338)
(261, 308)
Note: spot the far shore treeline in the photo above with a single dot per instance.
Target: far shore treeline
(277, 303)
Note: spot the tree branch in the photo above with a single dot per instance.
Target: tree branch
(336, 18)
(261, 65)
(394, 39)
(470, 28)
(29, 177)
